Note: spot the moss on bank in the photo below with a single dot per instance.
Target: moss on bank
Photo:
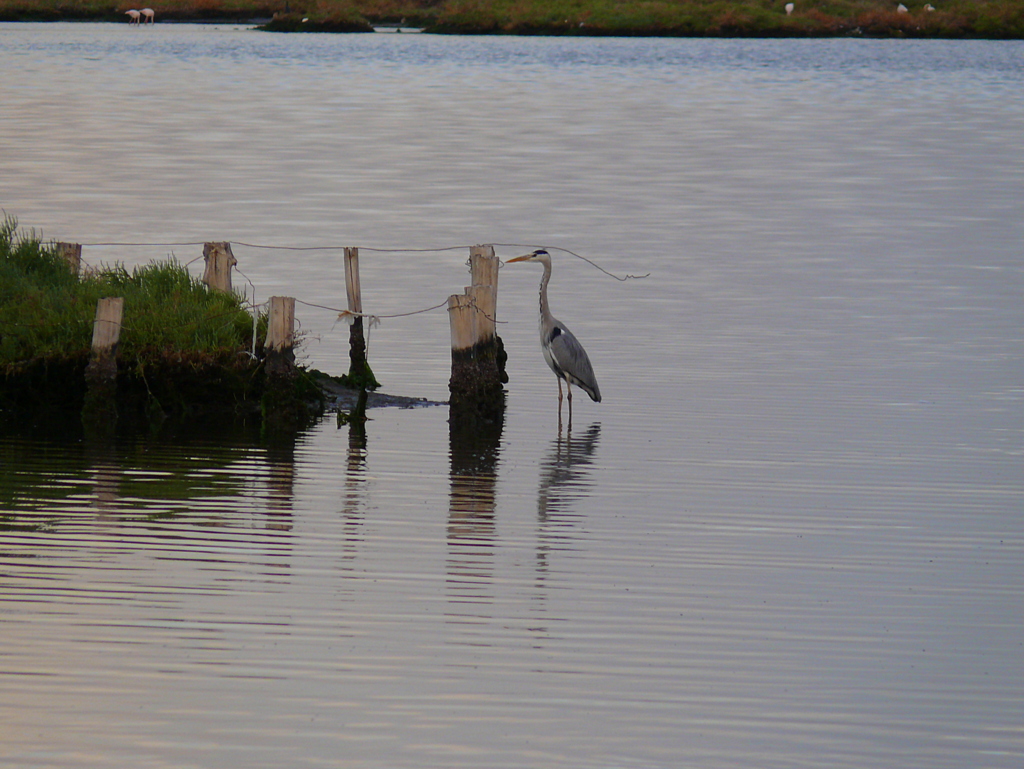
(993, 19)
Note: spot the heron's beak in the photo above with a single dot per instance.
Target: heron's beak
(519, 259)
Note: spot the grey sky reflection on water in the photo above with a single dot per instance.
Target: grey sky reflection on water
(818, 408)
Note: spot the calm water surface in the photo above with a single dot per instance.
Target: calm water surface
(790, 536)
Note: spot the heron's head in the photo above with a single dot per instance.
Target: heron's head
(540, 255)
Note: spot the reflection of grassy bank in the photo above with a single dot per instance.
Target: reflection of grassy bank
(755, 18)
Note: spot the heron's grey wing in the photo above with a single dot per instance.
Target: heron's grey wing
(572, 359)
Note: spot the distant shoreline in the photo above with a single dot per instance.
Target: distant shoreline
(911, 19)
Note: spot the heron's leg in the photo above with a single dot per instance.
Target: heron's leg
(559, 379)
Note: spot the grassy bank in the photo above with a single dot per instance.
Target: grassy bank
(996, 19)
(46, 310)
(185, 350)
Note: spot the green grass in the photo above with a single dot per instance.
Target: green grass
(47, 312)
(753, 18)
(183, 349)
(997, 19)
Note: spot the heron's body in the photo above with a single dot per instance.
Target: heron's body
(562, 350)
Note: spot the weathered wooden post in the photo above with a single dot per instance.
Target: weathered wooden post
(100, 407)
(478, 356)
(359, 374)
(282, 406)
(484, 266)
(281, 335)
(219, 261)
(72, 254)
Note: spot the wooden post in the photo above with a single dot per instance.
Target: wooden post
(106, 328)
(72, 254)
(282, 405)
(483, 300)
(281, 328)
(478, 357)
(219, 261)
(483, 266)
(359, 374)
(352, 287)
(99, 413)
(461, 318)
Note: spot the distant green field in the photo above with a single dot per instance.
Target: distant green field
(992, 19)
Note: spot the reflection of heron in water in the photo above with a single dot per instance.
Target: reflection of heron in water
(563, 473)
(563, 351)
(563, 485)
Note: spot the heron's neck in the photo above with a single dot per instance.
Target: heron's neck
(545, 311)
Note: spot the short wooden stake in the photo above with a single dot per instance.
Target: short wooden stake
(280, 344)
(283, 408)
(359, 374)
(478, 356)
(99, 413)
(352, 287)
(483, 266)
(72, 254)
(281, 328)
(106, 328)
(219, 261)
(461, 321)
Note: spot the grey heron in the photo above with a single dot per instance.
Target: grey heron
(563, 352)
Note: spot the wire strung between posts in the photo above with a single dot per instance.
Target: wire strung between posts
(592, 263)
(146, 245)
(375, 317)
(348, 315)
(342, 248)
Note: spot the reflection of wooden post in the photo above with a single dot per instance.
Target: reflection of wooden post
(219, 261)
(100, 409)
(473, 448)
(72, 254)
(359, 374)
(478, 357)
